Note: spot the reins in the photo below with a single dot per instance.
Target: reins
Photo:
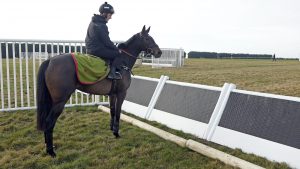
(127, 53)
(131, 55)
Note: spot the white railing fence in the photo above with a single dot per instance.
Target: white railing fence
(19, 63)
(21, 58)
(260, 123)
(169, 58)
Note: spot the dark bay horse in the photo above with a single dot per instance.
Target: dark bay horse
(57, 81)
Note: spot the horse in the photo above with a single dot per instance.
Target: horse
(57, 81)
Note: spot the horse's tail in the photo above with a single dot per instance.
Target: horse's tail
(44, 101)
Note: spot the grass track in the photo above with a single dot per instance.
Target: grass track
(83, 139)
(280, 77)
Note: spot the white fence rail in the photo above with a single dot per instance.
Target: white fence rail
(20, 60)
(18, 71)
(260, 123)
(169, 58)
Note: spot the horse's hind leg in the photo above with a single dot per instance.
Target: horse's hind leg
(50, 123)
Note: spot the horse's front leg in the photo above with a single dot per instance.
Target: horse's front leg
(112, 106)
(120, 100)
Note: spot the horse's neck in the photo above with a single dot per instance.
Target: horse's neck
(133, 51)
(134, 54)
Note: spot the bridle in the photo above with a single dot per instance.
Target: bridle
(148, 52)
(134, 57)
(129, 54)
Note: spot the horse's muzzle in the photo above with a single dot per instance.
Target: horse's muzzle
(156, 52)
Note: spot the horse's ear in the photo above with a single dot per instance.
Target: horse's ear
(144, 28)
(144, 31)
(147, 31)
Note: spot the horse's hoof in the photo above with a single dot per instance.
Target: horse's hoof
(117, 135)
(51, 153)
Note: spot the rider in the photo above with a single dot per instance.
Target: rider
(98, 42)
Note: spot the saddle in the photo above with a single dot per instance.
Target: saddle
(89, 69)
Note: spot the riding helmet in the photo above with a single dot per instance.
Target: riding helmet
(106, 8)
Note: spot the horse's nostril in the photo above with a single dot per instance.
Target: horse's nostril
(159, 52)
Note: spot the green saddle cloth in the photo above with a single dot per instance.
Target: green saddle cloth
(89, 69)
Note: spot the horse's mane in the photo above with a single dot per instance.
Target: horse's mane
(124, 45)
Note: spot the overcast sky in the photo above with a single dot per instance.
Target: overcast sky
(230, 26)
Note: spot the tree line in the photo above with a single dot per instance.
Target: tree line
(195, 54)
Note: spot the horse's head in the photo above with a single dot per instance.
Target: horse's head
(148, 44)
(142, 41)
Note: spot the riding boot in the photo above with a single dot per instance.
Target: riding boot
(113, 74)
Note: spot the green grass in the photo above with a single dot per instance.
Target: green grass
(83, 140)
(280, 77)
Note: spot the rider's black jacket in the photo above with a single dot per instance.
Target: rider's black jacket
(97, 39)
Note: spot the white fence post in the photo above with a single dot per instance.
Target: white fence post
(216, 110)
(27, 74)
(34, 74)
(7, 76)
(219, 114)
(156, 94)
(1, 78)
(21, 74)
(15, 78)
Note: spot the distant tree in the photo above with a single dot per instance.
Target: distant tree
(195, 54)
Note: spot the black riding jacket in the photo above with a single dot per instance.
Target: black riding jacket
(97, 39)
